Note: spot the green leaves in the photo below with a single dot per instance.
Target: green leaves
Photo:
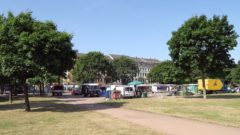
(94, 67)
(91, 67)
(125, 69)
(28, 45)
(166, 73)
(203, 43)
(234, 75)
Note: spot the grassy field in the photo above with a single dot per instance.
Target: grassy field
(222, 109)
(51, 117)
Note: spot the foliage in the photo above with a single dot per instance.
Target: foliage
(234, 75)
(111, 75)
(91, 67)
(28, 46)
(45, 78)
(125, 69)
(202, 45)
(165, 72)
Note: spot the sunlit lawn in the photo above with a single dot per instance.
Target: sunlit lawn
(221, 109)
(50, 117)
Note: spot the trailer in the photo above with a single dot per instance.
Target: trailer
(212, 85)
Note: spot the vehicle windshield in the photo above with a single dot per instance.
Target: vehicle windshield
(93, 87)
(162, 87)
(58, 87)
(129, 89)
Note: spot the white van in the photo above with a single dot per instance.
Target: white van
(126, 91)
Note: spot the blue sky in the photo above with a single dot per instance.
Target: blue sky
(138, 28)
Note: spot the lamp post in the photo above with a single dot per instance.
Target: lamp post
(202, 64)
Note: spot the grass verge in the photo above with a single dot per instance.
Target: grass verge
(51, 117)
(221, 109)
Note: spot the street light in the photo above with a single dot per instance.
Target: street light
(202, 58)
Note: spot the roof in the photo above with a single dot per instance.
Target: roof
(136, 59)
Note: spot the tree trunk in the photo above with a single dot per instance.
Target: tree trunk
(10, 95)
(15, 90)
(2, 89)
(25, 90)
(59, 79)
(43, 92)
(40, 89)
(204, 86)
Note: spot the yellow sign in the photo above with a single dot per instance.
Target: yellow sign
(211, 84)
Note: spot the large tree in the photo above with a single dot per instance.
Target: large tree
(234, 75)
(165, 72)
(91, 67)
(201, 46)
(28, 46)
(125, 69)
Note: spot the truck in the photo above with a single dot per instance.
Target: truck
(91, 89)
(57, 90)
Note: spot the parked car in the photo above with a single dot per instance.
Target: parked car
(75, 92)
(236, 89)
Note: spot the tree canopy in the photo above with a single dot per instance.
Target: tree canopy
(234, 75)
(201, 46)
(28, 46)
(202, 42)
(91, 67)
(166, 73)
(125, 69)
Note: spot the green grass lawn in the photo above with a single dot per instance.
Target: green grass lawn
(51, 117)
(222, 109)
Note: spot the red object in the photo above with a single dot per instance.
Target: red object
(116, 95)
(75, 92)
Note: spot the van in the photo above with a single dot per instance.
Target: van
(126, 91)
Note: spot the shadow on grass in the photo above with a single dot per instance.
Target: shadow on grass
(5, 98)
(218, 96)
(59, 107)
(56, 105)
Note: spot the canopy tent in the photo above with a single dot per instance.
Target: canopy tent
(135, 83)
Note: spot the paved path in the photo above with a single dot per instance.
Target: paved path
(161, 123)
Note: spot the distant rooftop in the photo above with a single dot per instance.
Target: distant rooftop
(137, 59)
